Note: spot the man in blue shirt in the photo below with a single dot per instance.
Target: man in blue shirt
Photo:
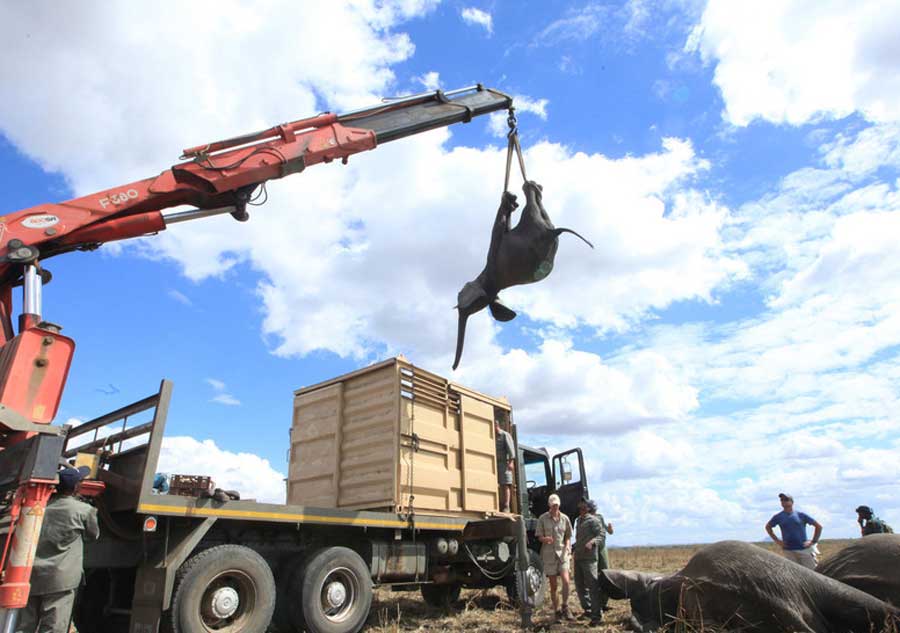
(793, 543)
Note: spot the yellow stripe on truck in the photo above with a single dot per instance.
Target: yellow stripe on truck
(288, 516)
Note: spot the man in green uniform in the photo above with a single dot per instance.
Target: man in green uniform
(869, 523)
(590, 539)
(58, 561)
(554, 532)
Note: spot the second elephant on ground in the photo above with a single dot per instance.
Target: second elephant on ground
(871, 564)
(736, 586)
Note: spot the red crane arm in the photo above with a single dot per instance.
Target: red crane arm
(207, 181)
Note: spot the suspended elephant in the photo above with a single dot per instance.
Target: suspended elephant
(742, 587)
(522, 255)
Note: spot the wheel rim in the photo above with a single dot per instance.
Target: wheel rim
(228, 601)
(339, 594)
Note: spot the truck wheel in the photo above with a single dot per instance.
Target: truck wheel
(334, 592)
(441, 596)
(224, 589)
(535, 571)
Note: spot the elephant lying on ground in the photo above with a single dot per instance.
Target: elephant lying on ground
(871, 564)
(735, 586)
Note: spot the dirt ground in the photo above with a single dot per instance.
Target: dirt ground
(489, 611)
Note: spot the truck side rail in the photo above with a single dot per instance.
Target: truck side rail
(128, 445)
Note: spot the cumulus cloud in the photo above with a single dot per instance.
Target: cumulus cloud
(430, 80)
(249, 474)
(497, 123)
(793, 62)
(471, 15)
(561, 390)
(221, 92)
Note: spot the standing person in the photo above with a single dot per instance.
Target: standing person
(869, 523)
(590, 538)
(58, 561)
(554, 531)
(506, 461)
(793, 543)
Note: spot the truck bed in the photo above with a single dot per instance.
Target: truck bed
(132, 455)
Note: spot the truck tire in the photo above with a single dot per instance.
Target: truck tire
(332, 592)
(226, 589)
(512, 582)
(441, 596)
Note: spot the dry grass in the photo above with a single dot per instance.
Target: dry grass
(489, 612)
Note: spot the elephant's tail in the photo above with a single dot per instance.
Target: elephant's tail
(559, 231)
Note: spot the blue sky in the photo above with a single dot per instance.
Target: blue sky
(733, 334)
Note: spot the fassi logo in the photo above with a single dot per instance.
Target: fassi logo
(40, 221)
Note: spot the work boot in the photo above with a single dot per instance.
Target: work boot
(596, 621)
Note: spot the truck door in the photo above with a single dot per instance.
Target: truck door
(571, 483)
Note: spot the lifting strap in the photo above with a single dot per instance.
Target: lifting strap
(513, 145)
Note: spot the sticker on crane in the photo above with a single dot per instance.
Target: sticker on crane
(26, 537)
(40, 221)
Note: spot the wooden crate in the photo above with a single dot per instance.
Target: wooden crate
(393, 437)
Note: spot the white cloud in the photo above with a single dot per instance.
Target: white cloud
(497, 120)
(222, 396)
(874, 147)
(226, 399)
(249, 474)
(576, 25)
(180, 297)
(430, 80)
(471, 15)
(114, 134)
(795, 61)
(561, 390)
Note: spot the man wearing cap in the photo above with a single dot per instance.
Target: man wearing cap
(554, 531)
(58, 561)
(590, 538)
(793, 543)
(506, 456)
(869, 523)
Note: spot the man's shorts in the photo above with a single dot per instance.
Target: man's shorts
(808, 557)
(553, 565)
(504, 476)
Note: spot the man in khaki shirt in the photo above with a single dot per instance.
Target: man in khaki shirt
(554, 531)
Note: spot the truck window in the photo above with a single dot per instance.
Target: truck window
(567, 467)
(536, 472)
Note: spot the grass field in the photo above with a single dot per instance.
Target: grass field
(488, 610)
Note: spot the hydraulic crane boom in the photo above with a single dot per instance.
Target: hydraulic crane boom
(219, 177)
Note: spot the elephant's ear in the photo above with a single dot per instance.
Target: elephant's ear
(501, 312)
(620, 584)
(470, 294)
